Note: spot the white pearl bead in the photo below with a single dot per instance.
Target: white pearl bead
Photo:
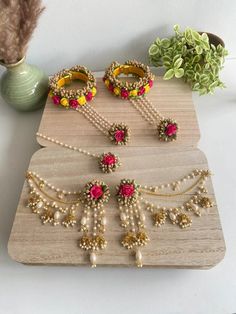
(83, 221)
(142, 217)
(104, 221)
(57, 215)
(172, 216)
(39, 204)
(194, 207)
(93, 259)
(123, 216)
(138, 255)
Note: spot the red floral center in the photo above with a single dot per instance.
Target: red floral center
(126, 190)
(111, 88)
(119, 135)
(73, 103)
(171, 129)
(96, 191)
(150, 82)
(141, 91)
(124, 93)
(56, 99)
(109, 159)
(89, 96)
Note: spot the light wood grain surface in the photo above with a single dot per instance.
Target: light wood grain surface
(201, 246)
(173, 99)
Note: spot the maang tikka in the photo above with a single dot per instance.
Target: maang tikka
(59, 207)
(107, 162)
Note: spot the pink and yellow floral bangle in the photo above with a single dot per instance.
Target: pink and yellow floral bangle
(72, 98)
(124, 89)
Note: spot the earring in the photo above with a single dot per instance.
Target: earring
(79, 99)
(60, 207)
(131, 198)
(167, 128)
(132, 218)
(94, 196)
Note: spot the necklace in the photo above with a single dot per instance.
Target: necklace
(79, 99)
(60, 207)
(107, 162)
(132, 202)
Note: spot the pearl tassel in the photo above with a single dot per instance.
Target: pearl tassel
(93, 259)
(138, 256)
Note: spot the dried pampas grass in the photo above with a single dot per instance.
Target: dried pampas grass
(18, 19)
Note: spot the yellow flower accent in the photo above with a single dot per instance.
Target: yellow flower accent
(147, 88)
(117, 91)
(94, 91)
(64, 102)
(82, 100)
(133, 93)
(107, 82)
(50, 94)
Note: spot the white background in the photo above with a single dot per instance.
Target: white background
(94, 33)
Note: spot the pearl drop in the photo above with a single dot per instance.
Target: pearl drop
(138, 255)
(172, 216)
(83, 221)
(93, 259)
(57, 215)
(194, 207)
(39, 204)
(142, 217)
(123, 216)
(104, 221)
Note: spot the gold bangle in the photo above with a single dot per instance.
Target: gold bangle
(124, 89)
(72, 98)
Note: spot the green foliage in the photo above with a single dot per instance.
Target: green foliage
(189, 55)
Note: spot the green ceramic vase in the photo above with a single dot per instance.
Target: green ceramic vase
(24, 86)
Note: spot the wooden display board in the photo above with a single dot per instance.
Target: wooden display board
(201, 246)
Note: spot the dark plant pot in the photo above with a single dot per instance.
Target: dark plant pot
(215, 40)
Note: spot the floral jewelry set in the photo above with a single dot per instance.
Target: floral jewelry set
(59, 207)
(85, 208)
(79, 100)
(136, 92)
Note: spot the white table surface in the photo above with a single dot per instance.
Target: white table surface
(43, 289)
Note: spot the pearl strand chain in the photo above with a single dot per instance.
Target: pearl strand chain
(93, 112)
(95, 118)
(52, 187)
(147, 110)
(144, 113)
(151, 108)
(175, 184)
(74, 148)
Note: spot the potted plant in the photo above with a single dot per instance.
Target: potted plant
(195, 56)
(23, 86)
